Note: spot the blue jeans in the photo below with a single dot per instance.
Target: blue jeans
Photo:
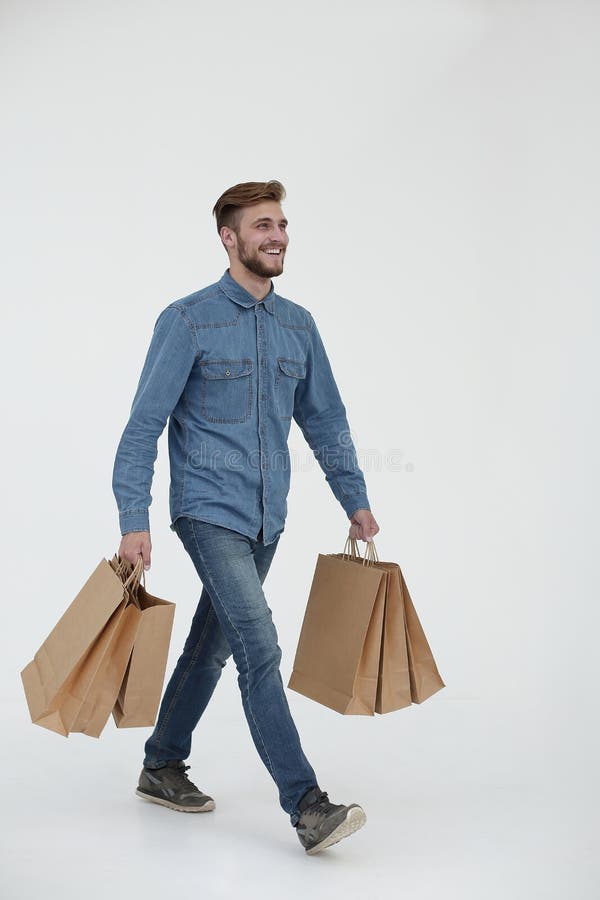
(232, 615)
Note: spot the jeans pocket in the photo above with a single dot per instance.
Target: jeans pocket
(289, 372)
(226, 390)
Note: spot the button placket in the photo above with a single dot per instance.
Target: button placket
(261, 346)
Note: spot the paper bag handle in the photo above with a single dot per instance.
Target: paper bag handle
(135, 576)
(354, 551)
(370, 556)
(370, 553)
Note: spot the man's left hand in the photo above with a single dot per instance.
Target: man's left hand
(363, 527)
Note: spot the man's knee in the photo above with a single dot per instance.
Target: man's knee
(259, 658)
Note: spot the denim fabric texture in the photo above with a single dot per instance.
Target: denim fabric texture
(230, 373)
(232, 617)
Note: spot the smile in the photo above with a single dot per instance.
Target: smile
(272, 252)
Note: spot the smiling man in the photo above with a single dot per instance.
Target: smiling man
(263, 236)
(230, 366)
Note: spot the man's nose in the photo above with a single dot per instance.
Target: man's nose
(279, 235)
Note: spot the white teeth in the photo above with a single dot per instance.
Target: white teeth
(272, 252)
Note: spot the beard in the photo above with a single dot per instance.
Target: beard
(256, 264)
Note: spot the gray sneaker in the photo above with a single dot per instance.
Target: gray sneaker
(322, 823)
(170, 786)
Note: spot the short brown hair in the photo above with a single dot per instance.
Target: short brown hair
(228, 206)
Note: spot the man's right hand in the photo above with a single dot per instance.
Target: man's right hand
(135, 544)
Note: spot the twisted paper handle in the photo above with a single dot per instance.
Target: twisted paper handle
(354, 551)
(370, 556)
(136, 574)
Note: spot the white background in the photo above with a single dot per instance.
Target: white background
(440, 160)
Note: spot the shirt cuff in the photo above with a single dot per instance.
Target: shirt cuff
(352, 502)
(134, 520)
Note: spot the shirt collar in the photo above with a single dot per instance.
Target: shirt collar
(240, 295)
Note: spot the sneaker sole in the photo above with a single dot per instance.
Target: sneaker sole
(355, 819)
(209, 805)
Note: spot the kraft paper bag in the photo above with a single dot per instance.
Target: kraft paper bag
(394, 685)
(337, 658)
(139, 696)
(406, 670)
(57, 679)
(425, 679)
(102, 693)
(394, 682)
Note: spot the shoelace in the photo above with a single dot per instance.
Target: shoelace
(182, 772)
(320, 806)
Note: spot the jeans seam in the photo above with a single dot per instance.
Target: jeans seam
(271, 769)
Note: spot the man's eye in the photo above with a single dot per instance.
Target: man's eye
(262, 225)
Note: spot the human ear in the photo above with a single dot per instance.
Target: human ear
(226, 236)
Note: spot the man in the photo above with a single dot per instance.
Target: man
(230, 366)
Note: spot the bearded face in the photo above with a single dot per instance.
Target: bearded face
(261, 239)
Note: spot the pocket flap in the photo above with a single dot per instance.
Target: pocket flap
(226, 368)
(292, 367)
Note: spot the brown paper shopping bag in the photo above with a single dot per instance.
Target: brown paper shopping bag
(140, 692)
(394, 681)
(394, 685)
(102, 693)
(405, 648)
(337, 658)
(57, 679)
(406, 669)
(425, 679)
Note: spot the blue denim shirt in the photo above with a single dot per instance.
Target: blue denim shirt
(230, 372)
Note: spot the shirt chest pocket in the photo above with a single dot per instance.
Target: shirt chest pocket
(287, 377)
(226, 390)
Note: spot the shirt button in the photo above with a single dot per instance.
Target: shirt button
(227, 372)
